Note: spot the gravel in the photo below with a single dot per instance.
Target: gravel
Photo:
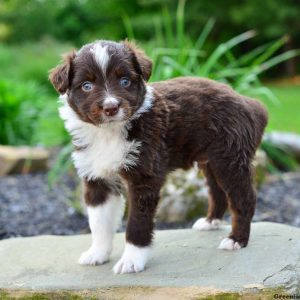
(29, 207)
(279, 200)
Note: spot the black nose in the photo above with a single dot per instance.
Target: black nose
(110, 109)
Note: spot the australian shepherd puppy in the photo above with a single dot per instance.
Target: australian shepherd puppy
(127, 130)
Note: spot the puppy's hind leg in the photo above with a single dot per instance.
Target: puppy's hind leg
(105, 207)
(217, 203)
(242, 200)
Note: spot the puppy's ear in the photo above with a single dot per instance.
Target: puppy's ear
(60, 75)
(144, 63)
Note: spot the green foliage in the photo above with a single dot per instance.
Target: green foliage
(28, 115)
(176, 53)
(28, 102)
(280, 158)
(69, 20)
(62, 163)
(79, 21)
(284, 114)
(31, 61)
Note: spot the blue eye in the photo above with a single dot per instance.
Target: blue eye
(125, 82)
(87, 86)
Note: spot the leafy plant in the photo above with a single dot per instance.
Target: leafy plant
(183, 56)
(281, 159)
(28, 115)
(31, 61)
(62, 163)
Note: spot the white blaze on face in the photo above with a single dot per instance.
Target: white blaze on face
(110, 101)
(101, 56)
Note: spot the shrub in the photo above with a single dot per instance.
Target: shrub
(176, 53)
(28, 115)
(279, 158)
(31, 61)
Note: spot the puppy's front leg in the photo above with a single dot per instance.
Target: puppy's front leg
(143, 199)
(105, 208)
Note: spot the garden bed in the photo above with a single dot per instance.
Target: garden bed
(29, 207)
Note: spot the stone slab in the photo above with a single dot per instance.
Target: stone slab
(185, 259)
(20, 160)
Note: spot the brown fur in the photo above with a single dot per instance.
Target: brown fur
(192, 120)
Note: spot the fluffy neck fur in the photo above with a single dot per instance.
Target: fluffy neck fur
(102, 150)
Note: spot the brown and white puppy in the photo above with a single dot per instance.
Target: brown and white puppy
(126, 129)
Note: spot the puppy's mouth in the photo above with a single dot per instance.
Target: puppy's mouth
(119, 116)
(99, 117)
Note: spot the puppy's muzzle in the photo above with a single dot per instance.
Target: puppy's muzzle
(110, 110)
(111, 107)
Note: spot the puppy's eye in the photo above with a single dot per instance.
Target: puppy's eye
(125, 82)
(87, 86)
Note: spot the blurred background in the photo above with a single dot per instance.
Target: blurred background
(252, 45)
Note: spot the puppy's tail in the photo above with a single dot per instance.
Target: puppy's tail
(261, 120)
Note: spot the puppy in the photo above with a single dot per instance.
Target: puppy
(125, 129)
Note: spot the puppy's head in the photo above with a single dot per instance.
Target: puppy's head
(104, 81)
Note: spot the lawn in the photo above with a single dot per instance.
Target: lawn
(284, 115)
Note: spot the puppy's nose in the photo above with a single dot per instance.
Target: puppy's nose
(110, 109)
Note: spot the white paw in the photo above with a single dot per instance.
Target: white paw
(126, 265)
(93, 257)
(204, 224)
(133, 259)
(229, 244)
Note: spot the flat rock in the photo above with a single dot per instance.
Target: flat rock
(16, 160)
(185, 263)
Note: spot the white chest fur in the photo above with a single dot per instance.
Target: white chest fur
(104, 150)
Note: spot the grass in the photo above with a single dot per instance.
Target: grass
(31, 61)
(284, 115)
(139, 292)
